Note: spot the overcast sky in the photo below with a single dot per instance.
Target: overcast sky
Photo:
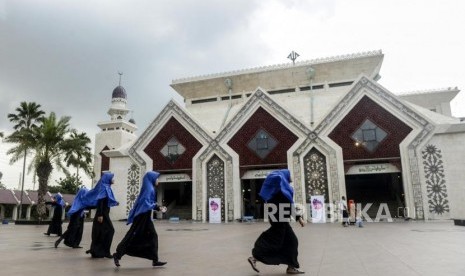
(65, 55)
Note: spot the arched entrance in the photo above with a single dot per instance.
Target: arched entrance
(251, 184)
(378, 188)
(175, 192)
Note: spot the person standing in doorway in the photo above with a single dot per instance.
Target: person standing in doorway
(142, 240)
(73, 234)
(279, 244)
(58, 205)
(101, 197)
(343, 209)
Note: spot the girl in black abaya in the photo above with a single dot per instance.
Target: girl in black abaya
(55, 225)
(142, 240)
(73, 234)
(102, 229)
(278, 245)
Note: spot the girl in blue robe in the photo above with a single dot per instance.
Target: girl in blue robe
(142, 240)
(55, 225)
(279, 244)
(101, 197)
(73, 234)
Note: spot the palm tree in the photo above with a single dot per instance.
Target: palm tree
(51, 143)
(27, 118)
(78, 153)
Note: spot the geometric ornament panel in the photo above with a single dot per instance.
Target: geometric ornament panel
(435, 180)
(215, 182)
(133, 187)
(316, 179)
(262, 143)
(172, 150)
(369, 135)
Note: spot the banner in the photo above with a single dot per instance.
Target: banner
(214, 210)
(317, 203)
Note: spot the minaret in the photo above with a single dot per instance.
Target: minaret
(115, 133)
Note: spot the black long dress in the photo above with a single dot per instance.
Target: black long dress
(73, 234)
(102, 233)
(141, 240)
(279, 244)
(55, 225)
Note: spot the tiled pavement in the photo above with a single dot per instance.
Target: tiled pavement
(401, 248)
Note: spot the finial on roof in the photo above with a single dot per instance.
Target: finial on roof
(120, 74)
(293, 56)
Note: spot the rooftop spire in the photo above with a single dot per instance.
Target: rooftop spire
(120, 74)
(293, 56)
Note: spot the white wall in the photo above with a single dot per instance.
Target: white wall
(452, 147)
(119, 166)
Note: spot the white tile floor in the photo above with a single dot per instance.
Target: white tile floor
(407, 248)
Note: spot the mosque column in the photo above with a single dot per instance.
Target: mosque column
(28, 212)
(160, 199)
(15, 212)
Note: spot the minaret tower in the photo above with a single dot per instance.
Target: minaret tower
(115, 134)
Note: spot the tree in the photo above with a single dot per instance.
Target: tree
(78, 153)
(1, 184)
(26, 118)
(51, 143)
(68, 185)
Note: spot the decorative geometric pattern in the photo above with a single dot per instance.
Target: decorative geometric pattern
(133, 187)
(172, 150)
(369, 135)
(366, 85)
(262, 143)
(215, 181)
(171, 109)
(435, 180)
(316, 180)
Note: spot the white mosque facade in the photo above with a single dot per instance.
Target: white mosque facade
(328, 121)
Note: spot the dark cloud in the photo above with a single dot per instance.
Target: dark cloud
(65, 55)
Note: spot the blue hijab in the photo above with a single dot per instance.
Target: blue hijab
(275, 182)
(78, 205)
(100, 191)
(147, 197)
(59, 200)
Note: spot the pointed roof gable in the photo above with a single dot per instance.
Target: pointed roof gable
(172, 109)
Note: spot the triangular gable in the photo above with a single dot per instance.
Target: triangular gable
(172, 109)
(422, 127)
(365, 86)
(260, 98)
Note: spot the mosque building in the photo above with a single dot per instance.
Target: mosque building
(327, 120)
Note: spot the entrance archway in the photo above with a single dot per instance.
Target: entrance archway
(377, 189)
(175, 192)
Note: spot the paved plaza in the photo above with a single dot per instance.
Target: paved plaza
(400, 248)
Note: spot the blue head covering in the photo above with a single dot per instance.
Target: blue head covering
(78, 205)
(146, 199)
(59, 200)
(100, 191)
(275, 182)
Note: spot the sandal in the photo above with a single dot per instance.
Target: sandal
(293, 270)
(253, 263)
(157, 263)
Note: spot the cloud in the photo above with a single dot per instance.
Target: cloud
(65, 55)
